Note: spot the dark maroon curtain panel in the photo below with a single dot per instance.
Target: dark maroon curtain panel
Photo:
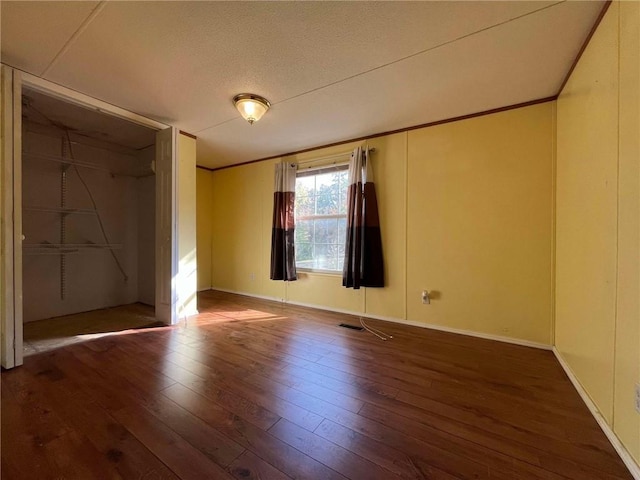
(283, 258)
(363, 263)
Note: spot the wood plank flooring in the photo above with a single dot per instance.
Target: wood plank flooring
(51, 333)
(251, 389)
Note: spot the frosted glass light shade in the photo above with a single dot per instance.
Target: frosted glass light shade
(251, 107)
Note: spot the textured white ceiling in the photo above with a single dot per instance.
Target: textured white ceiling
(34, 32)
(332, 70)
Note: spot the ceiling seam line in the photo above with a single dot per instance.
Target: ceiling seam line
(426, 50)
(94, 13)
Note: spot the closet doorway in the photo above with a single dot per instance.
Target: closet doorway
(88, 223)
(90, 241)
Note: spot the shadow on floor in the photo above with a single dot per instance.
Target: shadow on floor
(48, 334)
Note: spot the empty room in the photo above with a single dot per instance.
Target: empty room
(320, 240)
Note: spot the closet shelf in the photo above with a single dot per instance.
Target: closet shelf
(46, 248)
(64, 161)
(92, 166)
(64, 211)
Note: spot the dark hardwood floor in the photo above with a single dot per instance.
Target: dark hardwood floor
(256, 390)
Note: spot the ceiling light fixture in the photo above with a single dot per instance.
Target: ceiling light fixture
(251, 107)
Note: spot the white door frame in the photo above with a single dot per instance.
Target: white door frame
(11, 301)
(11, 203)
(166, 226)
(71, 96)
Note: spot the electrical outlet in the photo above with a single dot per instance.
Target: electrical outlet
(252, 276)
(638, 397)
(425, 297)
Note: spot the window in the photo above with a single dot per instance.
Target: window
(321, 218)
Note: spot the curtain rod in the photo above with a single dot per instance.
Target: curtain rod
(330, 157)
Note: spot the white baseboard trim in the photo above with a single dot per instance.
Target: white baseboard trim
(328, 309)
(624, 454)
(470, 333)
(247, 294)
(431, 326)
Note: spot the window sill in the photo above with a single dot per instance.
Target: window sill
(315, 271)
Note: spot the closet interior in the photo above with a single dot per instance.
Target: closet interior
(88, 214)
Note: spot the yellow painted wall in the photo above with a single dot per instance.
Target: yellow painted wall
(187, 284)
(477, 227)
(627, 346)
(479, 223)
(204, 225)
(242, 204)
(597, 241)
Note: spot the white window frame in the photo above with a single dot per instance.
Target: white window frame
(317, 170)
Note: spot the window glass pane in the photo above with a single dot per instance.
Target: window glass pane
(324, 257)
(338, 257)
(326, 230)
(304, 255)
(344, 179)
(342, 203)
(304, 205)
(327, 204)
(320, 241)
(344, 189)
(304, 231)
(324, 181)
(306, 185)
(328, 183)
(342, 230)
